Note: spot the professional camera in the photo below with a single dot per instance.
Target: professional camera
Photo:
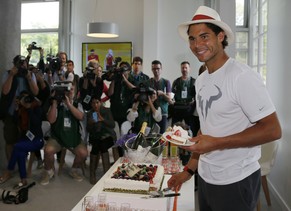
(144, 91)
(18, 61)
(28, 99)
(33, 46)
(60, 89)
(90, 72)
(55, 63)
(115, 72)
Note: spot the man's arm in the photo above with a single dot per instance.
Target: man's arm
(263, 131)
(176, 181)
(6, 87)
(32, 83)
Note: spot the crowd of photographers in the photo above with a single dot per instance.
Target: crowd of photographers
(74, 109)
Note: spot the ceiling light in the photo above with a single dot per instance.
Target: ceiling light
(102, 30)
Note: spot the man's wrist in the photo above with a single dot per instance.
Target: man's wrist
(190, 171)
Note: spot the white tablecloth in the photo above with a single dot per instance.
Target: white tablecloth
(186, 201)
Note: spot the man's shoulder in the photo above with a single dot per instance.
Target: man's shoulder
(145, 76)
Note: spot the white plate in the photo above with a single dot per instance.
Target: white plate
(187, 143)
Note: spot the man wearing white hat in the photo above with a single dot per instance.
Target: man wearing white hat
(236, 116)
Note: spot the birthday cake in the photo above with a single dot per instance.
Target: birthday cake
(135, 178)
(178, 135)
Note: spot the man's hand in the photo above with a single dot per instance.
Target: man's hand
(203, 144)
(176, 181)
(13, 71)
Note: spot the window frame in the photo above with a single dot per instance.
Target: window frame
(58, 30)
(255, 43)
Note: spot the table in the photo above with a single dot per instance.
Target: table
(186, 202)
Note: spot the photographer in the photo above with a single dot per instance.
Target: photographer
(43, 96)
(28, 115)
(71, 76)
(64, 116)
(145, 109)
(92, 84)
(119, 93)
(56, 68)
(14, 81)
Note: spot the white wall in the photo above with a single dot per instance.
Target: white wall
(128, 14)
(278, 83)
(150, 25)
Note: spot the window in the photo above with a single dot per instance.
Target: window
(251, 34)
(258, 36)
(40, 24)
(242, 31)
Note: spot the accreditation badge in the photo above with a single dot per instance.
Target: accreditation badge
(67, 122)
(29, 135)
(87, 99)
(184, 94)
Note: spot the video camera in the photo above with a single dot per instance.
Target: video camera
(115, 72)
(90, 72)
(144, 91)
(33, 46)
(18, 61)
(60, 89)
(55, 63)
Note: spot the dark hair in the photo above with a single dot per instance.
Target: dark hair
(216, 29)
(96, 97)
(70, 61)
(156, 62)
(185, 62)
(124, 64)
(17, 58)
(137, 59)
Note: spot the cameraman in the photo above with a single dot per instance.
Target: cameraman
(65, 117)
(56, 68)
(119, 93)
(92, 84)
(14, 81)
(145, 109)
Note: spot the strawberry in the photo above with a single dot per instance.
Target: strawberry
(177, 133)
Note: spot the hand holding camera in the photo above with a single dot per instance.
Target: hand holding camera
(89, 73)
(33, 46)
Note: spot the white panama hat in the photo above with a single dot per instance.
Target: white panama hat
(206, 15)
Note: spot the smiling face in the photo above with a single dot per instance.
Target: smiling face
(205, 44)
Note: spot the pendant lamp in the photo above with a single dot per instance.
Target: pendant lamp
(102, 29)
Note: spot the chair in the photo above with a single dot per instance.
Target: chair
(125, 127)
(269, 151)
